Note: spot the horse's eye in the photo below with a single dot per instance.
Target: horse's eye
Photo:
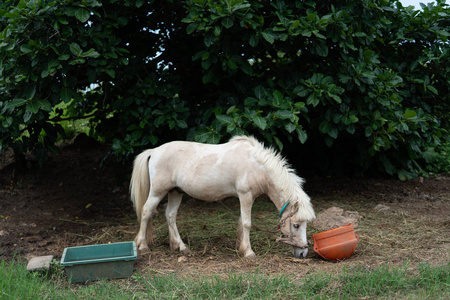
(296, 226)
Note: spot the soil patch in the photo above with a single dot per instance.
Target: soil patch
(79, 198)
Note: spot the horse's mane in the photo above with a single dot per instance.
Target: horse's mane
(288, 183)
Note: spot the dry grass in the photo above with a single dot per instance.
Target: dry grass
(415, 229)
(209, 230)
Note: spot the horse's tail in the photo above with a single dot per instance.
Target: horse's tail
(140, 182)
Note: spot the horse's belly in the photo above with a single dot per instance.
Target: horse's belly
(208, 192)
(208, 188)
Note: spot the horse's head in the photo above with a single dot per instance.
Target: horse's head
(293, 229)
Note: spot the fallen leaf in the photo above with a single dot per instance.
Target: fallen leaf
(182, 259)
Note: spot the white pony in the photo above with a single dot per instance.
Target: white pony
(241, 168)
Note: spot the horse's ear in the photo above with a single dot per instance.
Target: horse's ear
(294, 208)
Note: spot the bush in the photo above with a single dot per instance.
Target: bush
(360, 85)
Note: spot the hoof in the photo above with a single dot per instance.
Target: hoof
(249, 255)
(144, 251)
(186, 251)
(142, 247)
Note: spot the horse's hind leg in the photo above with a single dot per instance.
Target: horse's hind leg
(146, 219)
(171, 216)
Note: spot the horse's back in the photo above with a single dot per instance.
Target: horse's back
(204, 171)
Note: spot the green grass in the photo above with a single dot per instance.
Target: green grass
(384, 282)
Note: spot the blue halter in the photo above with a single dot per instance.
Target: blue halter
(284, 207)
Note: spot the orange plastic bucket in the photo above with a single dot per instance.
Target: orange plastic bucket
(337, 243)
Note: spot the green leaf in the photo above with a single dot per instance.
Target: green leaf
(82, 15)
(27, 116)
(290, 127)
(268, 35)
(231, 64)
(201, 135)
(313, 99)
(64, 57)
(63, 21)
(29, 91)
(260, 92)
(225, 119)
(191, 28)
(302, 136)
(208, 77)
(253, 40)
(410, 114)
(66, 95)
(7, 122)
(159, 120)
(295, 24)
(336, 98)
(33, 106)
(227, 22)
(232, 109)
(388, 166)
(16, 102)
(328, 142)
(443, 33)
(277, 98)
(344, 78)
(333, 132)
(351, 129)
(306, 33)
(260, 122)
(359, 34)
(217, 30)
(246, 68)
(353, 119)
(406, 175)
(250, 101)
(240, 6)
(324, 127)
(322, 49)
(111, 73)
(182, 124)
(319, 35)
(26, 48)
(213, 138)
(78, 61)
(209, 39)
(91, 53)
(139, 3)
(300, 104)
(75, 49)
(45, 73)
(368, 131)
(433, 89)
(283, 114)
(279, 143)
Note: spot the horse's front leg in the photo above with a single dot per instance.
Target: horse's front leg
(173, 204)
(244, 225)
(146, 221)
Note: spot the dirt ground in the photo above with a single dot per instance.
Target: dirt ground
(75, 200)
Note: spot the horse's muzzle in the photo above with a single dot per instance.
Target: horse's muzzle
(300, 252)
(289, 241)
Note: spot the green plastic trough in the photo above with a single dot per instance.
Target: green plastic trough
(97, 262)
